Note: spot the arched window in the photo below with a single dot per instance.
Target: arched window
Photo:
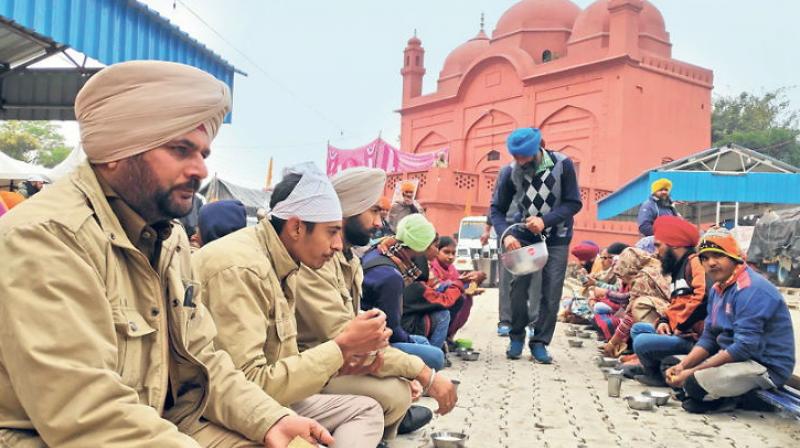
(416, 60)
(547, 56)
(407, 61)
(493, 155)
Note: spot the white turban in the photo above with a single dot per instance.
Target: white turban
(313, 198)
(133, 107)
(359, 188)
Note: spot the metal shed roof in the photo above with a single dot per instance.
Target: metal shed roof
(730, 174)
(109, 31)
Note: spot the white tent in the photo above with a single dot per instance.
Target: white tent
(75, 158)
(12, 169)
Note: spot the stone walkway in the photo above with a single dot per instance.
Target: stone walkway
(512, 404)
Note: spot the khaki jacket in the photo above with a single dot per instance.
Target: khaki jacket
(329, 298)
(91, 334)
(247, 279)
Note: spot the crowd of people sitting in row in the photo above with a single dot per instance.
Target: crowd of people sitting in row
(688, 313)
(116, 333)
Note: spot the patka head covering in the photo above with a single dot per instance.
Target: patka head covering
(359, 189)
(416, 232)
(313, 198)
(720, 240)
(524, 142)
(217, 219)
(133, 107)
(676, 232)
(661, 184)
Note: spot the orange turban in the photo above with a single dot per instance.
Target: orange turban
(676, 232)
(384, 203)
(407, 187)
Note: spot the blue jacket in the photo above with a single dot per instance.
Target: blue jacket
(649, 211)
(562, 214)
(751, 321)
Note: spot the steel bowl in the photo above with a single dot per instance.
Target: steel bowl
(605, 361)
(461, 350)
(585, 335)
(570, 333)
(470, 356)
(526, 259)
(446, 439)
(661, 397)
(641, 402)
(575, 343)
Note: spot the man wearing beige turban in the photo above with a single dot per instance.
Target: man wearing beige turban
(109, 344)
(327, 299)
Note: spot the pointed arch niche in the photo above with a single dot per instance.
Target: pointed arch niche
(487, 134)
(433, 141)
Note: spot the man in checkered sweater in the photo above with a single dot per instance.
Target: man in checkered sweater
(544, 187)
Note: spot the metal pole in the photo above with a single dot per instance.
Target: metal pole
(717, 220)
(736, 215)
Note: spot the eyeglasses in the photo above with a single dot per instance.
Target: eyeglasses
(607, 257)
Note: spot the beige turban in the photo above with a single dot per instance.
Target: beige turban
(358, 188)
(133, 107)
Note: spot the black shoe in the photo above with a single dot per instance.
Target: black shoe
(416, 417)
(631, 371)
(383, 444)
(447, 362)
(651, 380)
(751, 402)
(709, 407)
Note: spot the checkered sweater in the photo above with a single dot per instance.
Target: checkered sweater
(552, 195)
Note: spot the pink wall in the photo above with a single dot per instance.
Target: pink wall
(615, 116)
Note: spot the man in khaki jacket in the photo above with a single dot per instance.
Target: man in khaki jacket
(328, 298)
(105, 340)
(248, 282)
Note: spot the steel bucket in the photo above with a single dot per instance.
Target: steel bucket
(526, 259)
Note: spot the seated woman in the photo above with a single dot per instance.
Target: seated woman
(444, 275)
(647, 294)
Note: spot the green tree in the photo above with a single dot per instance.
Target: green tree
(39, 142)
(766, 123)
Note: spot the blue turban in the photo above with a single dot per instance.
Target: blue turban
(524, 142)
(220, 218)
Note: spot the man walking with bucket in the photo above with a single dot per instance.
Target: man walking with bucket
(544, 186)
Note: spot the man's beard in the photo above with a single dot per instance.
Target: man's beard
(354, 233)
(669, 261)
(142, 193)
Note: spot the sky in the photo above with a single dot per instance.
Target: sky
(323, 71)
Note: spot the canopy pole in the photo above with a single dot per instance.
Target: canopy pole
(736, 215)
(717, 220)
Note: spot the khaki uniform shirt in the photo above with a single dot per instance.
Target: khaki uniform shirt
(247, 279)
(329, 298)
(91, 333)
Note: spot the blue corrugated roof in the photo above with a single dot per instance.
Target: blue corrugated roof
(112, 31)
(695, 186)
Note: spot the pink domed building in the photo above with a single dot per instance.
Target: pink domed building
(600, 82)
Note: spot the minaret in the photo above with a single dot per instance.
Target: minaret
(624, 27)
(413, 68)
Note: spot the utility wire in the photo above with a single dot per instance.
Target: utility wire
(271, 78)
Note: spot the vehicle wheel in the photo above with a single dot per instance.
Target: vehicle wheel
(787, 278)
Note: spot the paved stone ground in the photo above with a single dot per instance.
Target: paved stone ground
(514, 404)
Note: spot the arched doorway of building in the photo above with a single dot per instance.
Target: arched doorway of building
(485, 142)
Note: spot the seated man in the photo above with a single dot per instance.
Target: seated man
(682, 323)
(388, 268)
(328, 298)
(217, 219)
(747, 341)
(108, 343)
(248, 280)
